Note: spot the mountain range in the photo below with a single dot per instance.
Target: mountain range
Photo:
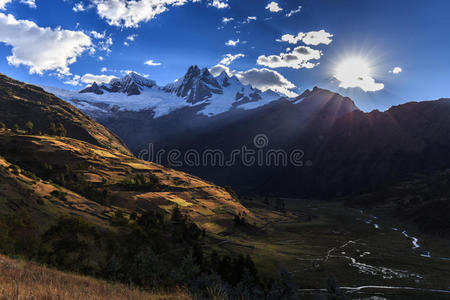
(343, 149)
(197, 89)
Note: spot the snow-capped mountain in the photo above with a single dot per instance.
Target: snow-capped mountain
(197, 88)
(131, 84)
(197, 85)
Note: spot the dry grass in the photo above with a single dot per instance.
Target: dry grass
(24, 280)
(202, 201)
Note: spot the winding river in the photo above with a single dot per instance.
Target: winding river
(384, 272)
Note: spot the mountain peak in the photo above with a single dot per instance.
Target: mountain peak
(135, 78)
(131, 84)
(327, 101)
(196, 85)
(193, 71)
(223, 79)
(94, 88)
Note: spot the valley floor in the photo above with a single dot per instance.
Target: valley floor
(368, 252)
(25, 280)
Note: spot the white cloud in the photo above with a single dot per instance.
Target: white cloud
(152, 63)
(124, 13)
(367, 84)
(294, 11)
(249, 19)
(273, 7)
(30, 3)
(228, 58)
(132, 37)
(309, 38)
(263, 79)
(226, 20)
(218, 69)
(396, 70)
(74, 81)
(220, 4)
(355, 73)
(232, 43)
(300, 57)
(291, 39)
(98, 35)
(104, 69)
(41, 48)
(90, 78)
(3, 3)
(78, 7)
(106, 44)
(317, 37)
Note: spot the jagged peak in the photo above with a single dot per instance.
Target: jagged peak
(193, 70)
(205, 72)
(133, 77)
(223, 74)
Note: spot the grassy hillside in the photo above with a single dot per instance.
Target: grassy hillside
(86, 209)
(24, 280)
(94, 181)
(21, 103)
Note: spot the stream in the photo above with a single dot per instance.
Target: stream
(414, 240)
(340, 252)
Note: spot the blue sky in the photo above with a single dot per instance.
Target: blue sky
(60, 47)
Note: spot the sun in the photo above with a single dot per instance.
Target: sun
(352, 70)
(356, 72)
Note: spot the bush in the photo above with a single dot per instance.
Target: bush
(30, 175)
(58, 194)
(2, 126)
(29, 127)
(58, 130)
(15, 169)
(141, 182)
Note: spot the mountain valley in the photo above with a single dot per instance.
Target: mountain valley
(81, 183)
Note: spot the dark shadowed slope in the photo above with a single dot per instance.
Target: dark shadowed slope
(365, 150)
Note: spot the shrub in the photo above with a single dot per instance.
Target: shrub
(61, 130)
(141, 182)
(30, 175)
(52, 129)
(29, 127)
(58, 194)
(58, 130)
(15, 169)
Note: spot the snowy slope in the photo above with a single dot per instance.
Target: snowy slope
(155, 99)
(215, 95)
